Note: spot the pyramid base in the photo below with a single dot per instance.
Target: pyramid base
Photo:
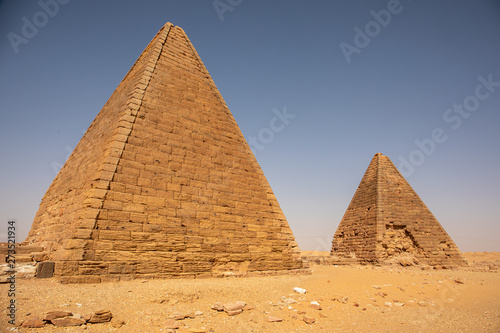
(129, 277)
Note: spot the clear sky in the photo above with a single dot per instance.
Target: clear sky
(418, 81)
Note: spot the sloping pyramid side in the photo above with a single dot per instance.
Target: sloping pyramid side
(357, 230)
(69, 208)
(403, 224)
(407, 225)
(169, 185)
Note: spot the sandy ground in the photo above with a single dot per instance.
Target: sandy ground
(378, 300)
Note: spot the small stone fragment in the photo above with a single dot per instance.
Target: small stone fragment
(315, 305)
(309, 320)
(234, 312)
(388, 304)
(274, 319)
(198, 313)
(101, 316)
(299, 290)
(217, 307)
(178, 316)
(33, 322)
(51, 315)
(67, 321)
(234, 306)
(459, 281)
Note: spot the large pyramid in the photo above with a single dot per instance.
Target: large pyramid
(386, 219)
(163, 183)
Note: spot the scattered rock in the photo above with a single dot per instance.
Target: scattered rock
(51, 315)
(217, 307)
(67, 321)
(274, 319)
(101, 316)
(198, 313)
(182, 315)
(234, 312)
(388, 304)
(228, 274)
(459, 281)
(171, 324)
(299, 290)
(422, 303)
(234, 306)
(33, 322)
(290, 301)
(343, 300)
(399, 304)
(356, 305)
(308, 320)
(381, 294)
(376, 287)
(315, 305)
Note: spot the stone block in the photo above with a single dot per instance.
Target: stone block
(45, 269)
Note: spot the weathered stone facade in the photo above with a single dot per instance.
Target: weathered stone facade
(163, 183)
(387, 219)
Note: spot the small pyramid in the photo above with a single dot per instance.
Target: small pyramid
(163, 183)
(387, 220)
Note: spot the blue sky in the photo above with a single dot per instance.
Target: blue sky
(418, 81)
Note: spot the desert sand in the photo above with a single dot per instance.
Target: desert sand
(352, 299)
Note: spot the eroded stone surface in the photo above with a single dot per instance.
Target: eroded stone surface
(387, 222)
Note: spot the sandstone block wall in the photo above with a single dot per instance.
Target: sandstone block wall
(163, 183)
(403, 223)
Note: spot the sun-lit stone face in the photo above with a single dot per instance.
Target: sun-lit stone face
(163, 183)
(386, 221)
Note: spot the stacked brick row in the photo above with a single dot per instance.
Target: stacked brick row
(172, 188)
(357, 231)
(386, 218)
